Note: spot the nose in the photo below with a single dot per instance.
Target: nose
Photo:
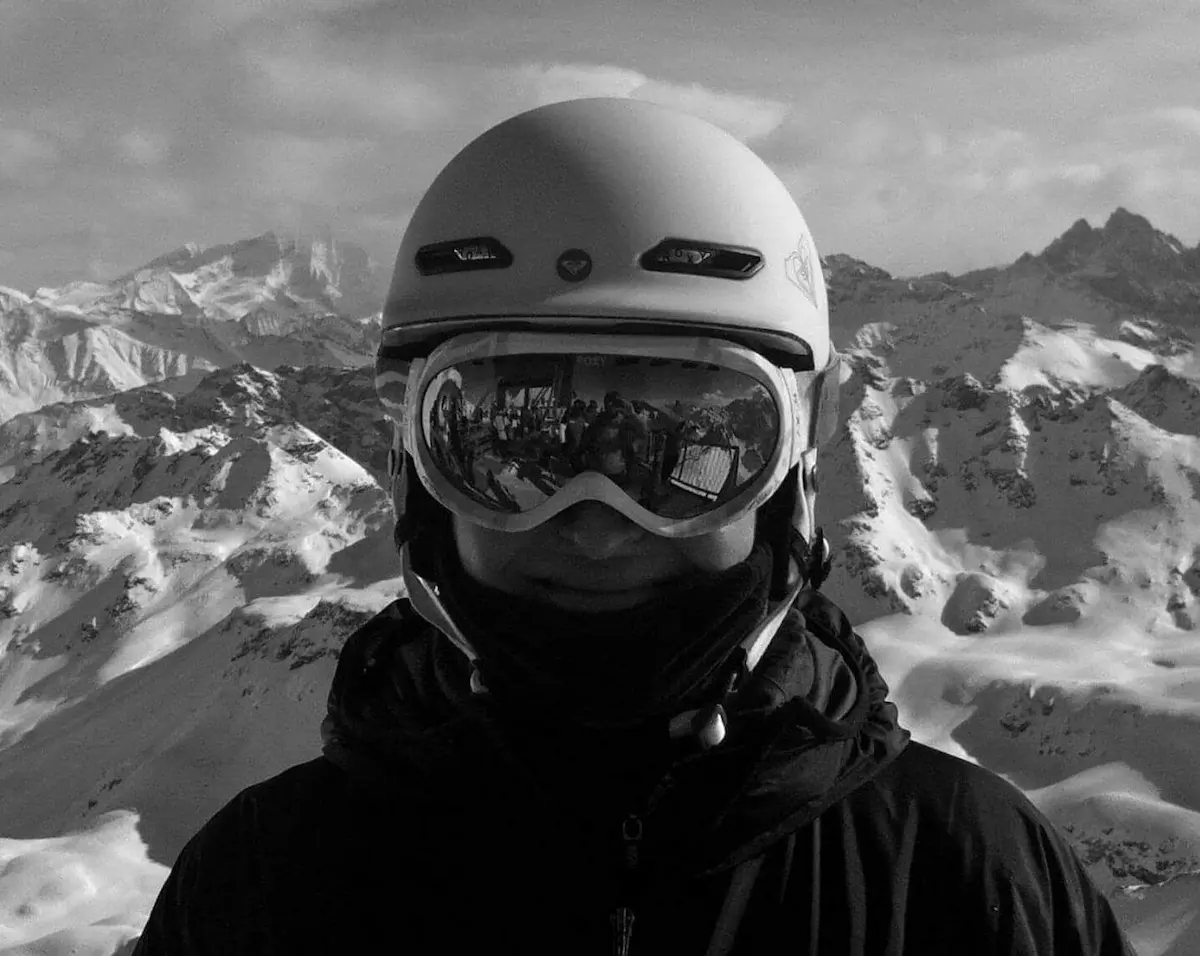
(594, 530)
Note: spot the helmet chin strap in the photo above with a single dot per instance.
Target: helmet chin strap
(425, 597)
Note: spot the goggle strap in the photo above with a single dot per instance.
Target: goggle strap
(825, 402)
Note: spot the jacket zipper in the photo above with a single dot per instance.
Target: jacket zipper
(623, 916)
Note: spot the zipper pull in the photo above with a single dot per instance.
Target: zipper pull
(622, 927)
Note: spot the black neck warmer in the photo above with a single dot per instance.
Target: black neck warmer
(611, 669)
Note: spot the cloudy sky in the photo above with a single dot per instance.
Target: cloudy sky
(916, 134)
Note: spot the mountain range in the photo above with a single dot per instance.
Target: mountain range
(266, 300)
(187, 537)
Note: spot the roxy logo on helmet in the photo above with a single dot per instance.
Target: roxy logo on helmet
(574, 265)
(474, 253)
(694, 258)
(798, 267)
(462, 255)
(682, 256)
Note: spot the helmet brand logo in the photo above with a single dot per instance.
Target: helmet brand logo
(799, 269)
(678, 255)
(574, 265)
(462, 255)
(692, 257)
(473, 253)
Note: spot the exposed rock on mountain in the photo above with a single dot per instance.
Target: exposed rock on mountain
(267, 301)
(1131, 263)
(976, 601)
(1169, 401)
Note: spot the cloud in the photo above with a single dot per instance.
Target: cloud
(25, 157)
(1184, 117)
(552, 83)
(160, 199)
(62, 123)
(101, 270)
(746, 117)
(1082, 174)
(143, 148)
(893, 192)
(1084, 181)
(303, 76)
(880, 149)
(210, 17)
(291, 167)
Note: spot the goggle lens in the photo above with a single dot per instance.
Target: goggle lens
(681, 438)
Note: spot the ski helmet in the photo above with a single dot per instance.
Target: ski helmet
(602, 214)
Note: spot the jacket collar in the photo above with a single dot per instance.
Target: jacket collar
(810, 725)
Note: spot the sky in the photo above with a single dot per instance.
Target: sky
(919, 135)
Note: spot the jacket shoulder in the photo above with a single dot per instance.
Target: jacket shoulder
(397, 622)
(259, 856)
(964, 833)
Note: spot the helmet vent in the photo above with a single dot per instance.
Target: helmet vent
(692, 257)
(462, 255)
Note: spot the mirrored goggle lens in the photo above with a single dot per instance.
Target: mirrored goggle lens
(681, 438)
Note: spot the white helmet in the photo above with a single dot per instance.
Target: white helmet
(601, 209)
(610, 215)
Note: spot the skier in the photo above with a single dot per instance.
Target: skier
(590, 727)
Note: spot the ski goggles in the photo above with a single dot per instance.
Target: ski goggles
(680, 435)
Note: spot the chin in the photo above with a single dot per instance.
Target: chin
(572, 599)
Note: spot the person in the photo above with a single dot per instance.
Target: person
(500, 423)
(589, 727)
(609, 440)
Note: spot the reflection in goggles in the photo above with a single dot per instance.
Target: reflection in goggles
(679, 437)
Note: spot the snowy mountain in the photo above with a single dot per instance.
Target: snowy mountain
(1015, 506)
(1013, 500)
(267, 301)
(176, 577)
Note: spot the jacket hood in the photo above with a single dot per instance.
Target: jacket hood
(811, 725)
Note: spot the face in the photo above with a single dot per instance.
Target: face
(592, 558)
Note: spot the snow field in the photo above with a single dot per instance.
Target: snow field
(83, 892)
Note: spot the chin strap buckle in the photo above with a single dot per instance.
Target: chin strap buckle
(710, 725)
(815, 560)
(707, 726)
(478, 688)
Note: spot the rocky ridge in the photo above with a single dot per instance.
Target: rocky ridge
(1004, 394)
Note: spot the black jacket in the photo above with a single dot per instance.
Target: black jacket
(434, 825)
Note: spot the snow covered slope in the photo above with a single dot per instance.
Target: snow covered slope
(1014, 503)
(176, 577)
(267, 301)
(1015, 508)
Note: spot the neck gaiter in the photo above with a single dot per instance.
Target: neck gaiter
(608, 669)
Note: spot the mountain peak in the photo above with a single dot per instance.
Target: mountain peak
(305, 273)
(1127, 261)
(838, 264)
(1080, 231)
(1122, 220)
(11, 298)
(1072, 248)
